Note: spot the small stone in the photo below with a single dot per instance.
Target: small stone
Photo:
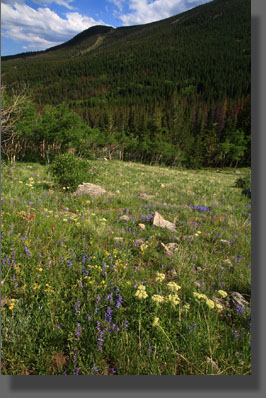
(159, 221)
(118, 239)
(124, 218)
(145, 196)
(238, 299)
(142, 226)
(172, 246)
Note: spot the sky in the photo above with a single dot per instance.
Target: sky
(33, 25)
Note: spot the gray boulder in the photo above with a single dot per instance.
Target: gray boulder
(90, 189)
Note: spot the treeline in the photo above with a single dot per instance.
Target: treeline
(175, 91)
(168, 134)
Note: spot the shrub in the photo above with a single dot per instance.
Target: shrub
(70, 171)
(245, 183)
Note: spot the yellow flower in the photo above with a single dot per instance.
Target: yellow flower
(218, 306)
(40, 269)
(173, 287)
(11, 307)
(160, 277)
(157, 298)
(222, 293)
(155, 322)
(186, 307)
(173, 299)
(210, 303)
(141, 292)
(200, 296)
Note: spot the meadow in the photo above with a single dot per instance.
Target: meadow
(91, 287)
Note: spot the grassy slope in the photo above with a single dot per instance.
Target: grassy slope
(67, 274)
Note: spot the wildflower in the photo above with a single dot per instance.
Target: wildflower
(160, 277)
(173, 287)
(173, 299)
(40, 269)
(157, 299)
(186, 307)
(200, 296)
(141, 292)
(222, 293)
(200, 208)
(210, 303)
(218, 306)
(155, 322)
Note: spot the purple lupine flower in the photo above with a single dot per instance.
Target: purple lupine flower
(192, 327)
(76, 371)
(125, 324)
(200, 208)
(239, 309)
(109, 298)
(236, 335)
(94, 369)
(118, 302)
(27, 251)
(108, 314)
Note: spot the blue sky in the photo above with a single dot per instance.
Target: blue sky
(32, 25)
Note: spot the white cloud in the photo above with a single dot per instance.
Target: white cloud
(144, 11)
(65, 3)
(41, 28)
(117, 3)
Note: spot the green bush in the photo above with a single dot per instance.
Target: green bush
(244, 182)
(69, 171)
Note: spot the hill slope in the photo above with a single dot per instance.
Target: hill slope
(194, 67)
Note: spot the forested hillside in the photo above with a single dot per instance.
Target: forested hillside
(175, 91)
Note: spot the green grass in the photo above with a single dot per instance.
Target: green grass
(74, 285)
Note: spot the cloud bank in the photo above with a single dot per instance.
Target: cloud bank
(145, 11)
(41, 28)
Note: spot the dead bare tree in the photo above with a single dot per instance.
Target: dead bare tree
(11, 112)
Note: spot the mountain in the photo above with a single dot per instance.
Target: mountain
(193, 67)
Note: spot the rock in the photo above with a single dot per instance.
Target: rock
(142, 226)
(145, 196)
(238, 300)
(159, 221)
(90, 189)
(124, 218)
(172, 273)
(172, 246)
(118, 239)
